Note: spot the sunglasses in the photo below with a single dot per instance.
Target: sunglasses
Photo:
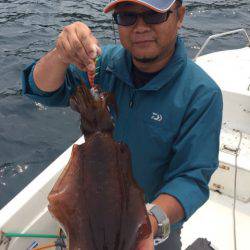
(149, 17)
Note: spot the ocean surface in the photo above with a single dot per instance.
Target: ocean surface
(32, 136)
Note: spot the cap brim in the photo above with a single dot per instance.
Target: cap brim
(157, 6)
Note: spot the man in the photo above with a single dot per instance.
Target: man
(169, 109)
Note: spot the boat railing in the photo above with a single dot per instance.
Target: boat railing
(220, 35)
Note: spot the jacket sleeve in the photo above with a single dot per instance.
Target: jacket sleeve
(58, 98)
(195, 152)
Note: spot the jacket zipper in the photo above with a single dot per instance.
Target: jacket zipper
(132, 100)
(130, 107)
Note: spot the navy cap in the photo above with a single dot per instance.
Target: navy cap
(156, 5)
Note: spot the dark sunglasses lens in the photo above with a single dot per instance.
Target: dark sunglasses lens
(155, 18)
(125, 19)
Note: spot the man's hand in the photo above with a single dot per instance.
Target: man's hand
(148, 244)
(77, 45)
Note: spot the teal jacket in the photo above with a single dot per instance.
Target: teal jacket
(171, 125)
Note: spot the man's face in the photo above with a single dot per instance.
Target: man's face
(149, 42)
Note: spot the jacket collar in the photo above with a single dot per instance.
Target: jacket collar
(121, 65)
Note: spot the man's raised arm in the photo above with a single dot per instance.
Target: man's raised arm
(75, 45)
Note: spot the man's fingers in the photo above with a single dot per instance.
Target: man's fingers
(77, 50)
(63, 48)
(78, 46)
(88, 41)
(81, 66)
(69, 54)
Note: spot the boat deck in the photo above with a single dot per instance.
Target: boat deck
(214, 221)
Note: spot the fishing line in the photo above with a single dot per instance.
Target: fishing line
(235, 190)
(113, 24)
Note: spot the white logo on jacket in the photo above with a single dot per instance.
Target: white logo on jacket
(157, 117)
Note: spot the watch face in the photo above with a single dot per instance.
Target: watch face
(165, 230)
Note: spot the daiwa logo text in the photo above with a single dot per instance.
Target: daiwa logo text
(157, 117)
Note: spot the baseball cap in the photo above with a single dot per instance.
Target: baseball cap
(156, 5)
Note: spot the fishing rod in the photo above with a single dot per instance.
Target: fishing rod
(113, 27)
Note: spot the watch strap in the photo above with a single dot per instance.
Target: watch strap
(162, 221)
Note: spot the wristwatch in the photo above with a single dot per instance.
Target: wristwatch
(162, 221)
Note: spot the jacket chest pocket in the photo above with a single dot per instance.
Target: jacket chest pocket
(158, 135)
